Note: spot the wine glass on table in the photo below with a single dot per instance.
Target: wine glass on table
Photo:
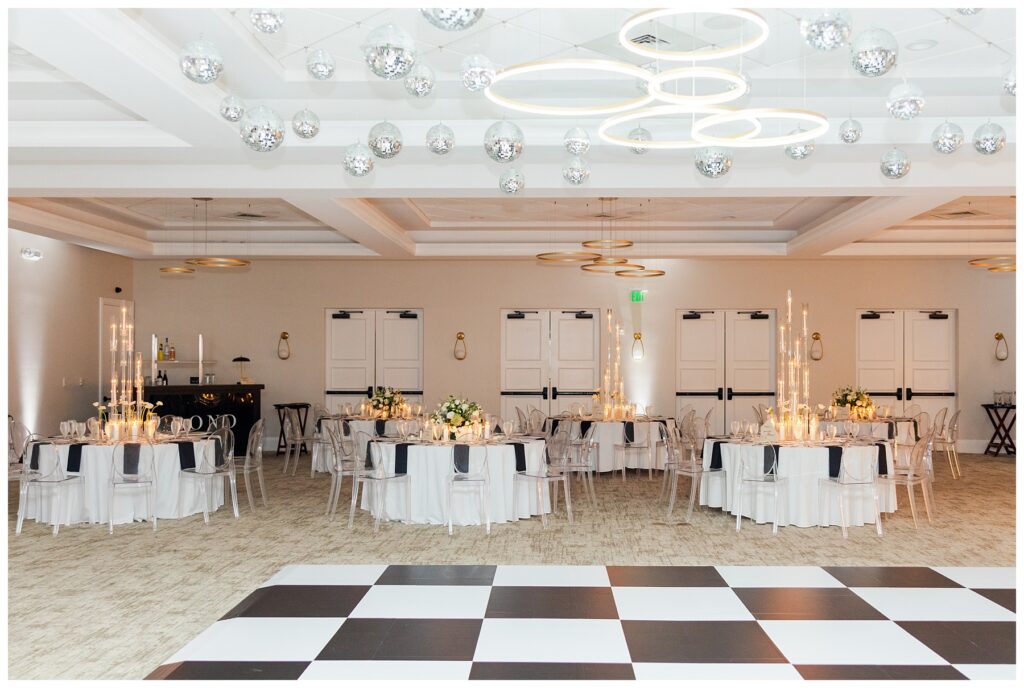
(734, 427)
(848, 426)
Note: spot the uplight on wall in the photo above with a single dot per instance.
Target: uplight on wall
(32, 254)
(638, 346)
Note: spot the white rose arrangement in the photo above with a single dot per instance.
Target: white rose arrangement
(386, 401)
(456, 412)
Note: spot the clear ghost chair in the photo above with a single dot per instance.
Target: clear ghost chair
(582, 461)
(682, 414)
(45, 475)
(375, 478)
(755, 477)
(294, 439)
(342, 461)
(911, 410)
(538, 421)
(758, 417)
(686, 463)
(133, 467)
(476, 477)
(216, 463)
(524, 422)
(17, 442)
(939, 424)
(947, 442)
(707, 421)
(321, 445)
(549, 473)
(254, 464)
(165, 425)
(855, 478)
(640, 445)
(913, 473)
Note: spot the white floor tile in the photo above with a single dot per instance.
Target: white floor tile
(551, 640)
(260, 639)
(423, 602)
(580, 576)
(403, 671)
(778, 577)
(988, 672)
(327, 574)
(847, 642)
(712, 672)
(980, 576)
(680, 604)
(934, 604)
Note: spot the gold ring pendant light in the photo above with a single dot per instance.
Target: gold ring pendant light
(996, 263)
(566, 256)
(208, 261)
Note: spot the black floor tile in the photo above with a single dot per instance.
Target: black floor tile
(1002, 597)
(404, 639)
(775, 604)
(842, 672)
(967, 642)
(526, 671)
(437, 575)
(890, 577)
(699, 642)
(551, 603)
(230, 671)
(300, 600)
(665, 576)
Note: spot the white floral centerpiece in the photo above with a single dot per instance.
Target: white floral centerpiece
(856, 399)
(386, 402)
(456, 413)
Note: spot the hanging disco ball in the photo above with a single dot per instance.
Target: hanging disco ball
(358, 161)
(503, 141)
(713, 162)
(827, 31)
(320, 64)
(267, 21)
(895, 164)
(512, 182)
(440, 139)
(385, 140)
(261, 129)
(905, 101)
(232, 108)
(306, 124)
(201, 62)
(874, 52)
(452, 18)
(1010, 82)
(968, 11)
(420, 81)
(850, 131)
(947, 138)
(576, 141)
(799, 151)
(639, 135)
(576, 171)
(390, 52)
(477, 72)
(642, 84)
(989, 139)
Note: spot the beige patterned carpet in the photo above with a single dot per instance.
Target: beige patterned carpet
(122, 604)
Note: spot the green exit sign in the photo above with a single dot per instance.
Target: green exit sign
(637, 295)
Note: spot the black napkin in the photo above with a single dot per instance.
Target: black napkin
(368, 464)
(771, 454)
(218, 453)
(75, 458)
(891, 429)
(917, 434)
(380, 427)
(319, 422)
(883, 464)
(835, 460)
(553, 426)
(346, 429)
(716, 456)
(131, 459)
(186, 454)
(402, 458)
(461, 458)
(628, 432)
(34, 461)
(585, 427)
(520, 449)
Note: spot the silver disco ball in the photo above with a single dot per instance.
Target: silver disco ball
(641, 84)
(390, 52)
(968, 11)
(266, 20)
(358, 161)
(576, 141)
(799, 151)
(639, 135)
(320, 64)
(420, 81)
(232, 108)
(905, 101)
(1010, 82)
(440, 139)
(503, 141)
(512, 182)
(895, 164)
(827, 31)
(385, 140)
(452, 18)
(306, 124)
(261, 129)
(874, 52)
(477, 72)
(989, 139)
(947, 138)
(713, 162)
(850, 131)
(576, 171)
(201, 62)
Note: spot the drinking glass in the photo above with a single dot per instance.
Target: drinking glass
(848, 426)
(508, 426)
(735, 427)
(832, 431)
(64, 429)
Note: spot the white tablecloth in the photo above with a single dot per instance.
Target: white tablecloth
(87, 500)
(428, 468)
(367, 426)
(803, 467)
(609, 433)
(876, 428)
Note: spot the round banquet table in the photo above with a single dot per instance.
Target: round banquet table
(87, 500)
(804, 466)
(429, 466)
(609, 433)
(367, 425)
(893, 428)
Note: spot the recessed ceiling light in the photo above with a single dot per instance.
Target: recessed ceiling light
(32, 254)
(922, 44)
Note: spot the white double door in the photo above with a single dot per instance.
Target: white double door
(725, 363)
(368, 348)
(907, 357)
(550, 359)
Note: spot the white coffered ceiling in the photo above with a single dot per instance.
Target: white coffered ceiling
(108, 142)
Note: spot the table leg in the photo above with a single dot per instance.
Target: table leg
(281, 444)
(303, 414)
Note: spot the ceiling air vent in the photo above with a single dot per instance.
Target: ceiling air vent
(648, 39)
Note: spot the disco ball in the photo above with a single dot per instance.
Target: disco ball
(440, 139)
(385, 140)
(320, 64)
(261, 129)
(642, 84)
(306, 124)
(1010, 82)
(989, 139)
(512, 181)
(267, 21)
(968, 11)
(827, 31)
(477, 72)
(850, 131)
(576, 141)
(947, 138)
(358, 162)
(799, 151)
(895, 164)
(389, 52)
(576, 171)
(639, 135)
(452, 18)
(232, 108)
(201, 62)
(503, 141)
(905, 101)
(420, 81)
(874, 52)
(713, 162)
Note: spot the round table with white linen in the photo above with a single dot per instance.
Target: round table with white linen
(609, 433)
(369, 425)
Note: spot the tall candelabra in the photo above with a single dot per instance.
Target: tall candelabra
(611, 398)
(793, 386)
(126, 381)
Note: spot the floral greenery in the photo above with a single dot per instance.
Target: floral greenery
(854, 397)
(456, 412)
(386, 399)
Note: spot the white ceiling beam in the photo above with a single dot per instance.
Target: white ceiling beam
(84, 215)
(650, 251)
(929, 249)
(359, 220)
(44, 223)
(240, 249)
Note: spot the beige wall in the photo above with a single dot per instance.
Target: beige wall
(242, 313)
(53, 327)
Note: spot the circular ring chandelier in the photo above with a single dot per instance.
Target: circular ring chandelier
(610, 260)
(219, 262)
(693, 55)
(640, 271)
(568, 256)
(538, 66)
(608, 243)
(177, 270)
(738, 85)
(605, 268)
(820, 128)
(995, 263)
(677, 144)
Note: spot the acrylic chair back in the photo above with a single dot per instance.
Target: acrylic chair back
(953, 429)
(940, 423)
(218, 450)
(254, 446)
(134, 463)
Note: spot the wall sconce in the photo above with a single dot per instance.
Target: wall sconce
(284, 348)
(817, 348)
(1002, 348)
(459, 352)
(638, 346)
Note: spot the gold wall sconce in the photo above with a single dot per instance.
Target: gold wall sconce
(459, 352)
(1002, 348)
(284, 348)
(638, 346)
(817, 351)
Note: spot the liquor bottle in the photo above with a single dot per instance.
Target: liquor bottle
(160, 352)
(167, 348)
(174, 353)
